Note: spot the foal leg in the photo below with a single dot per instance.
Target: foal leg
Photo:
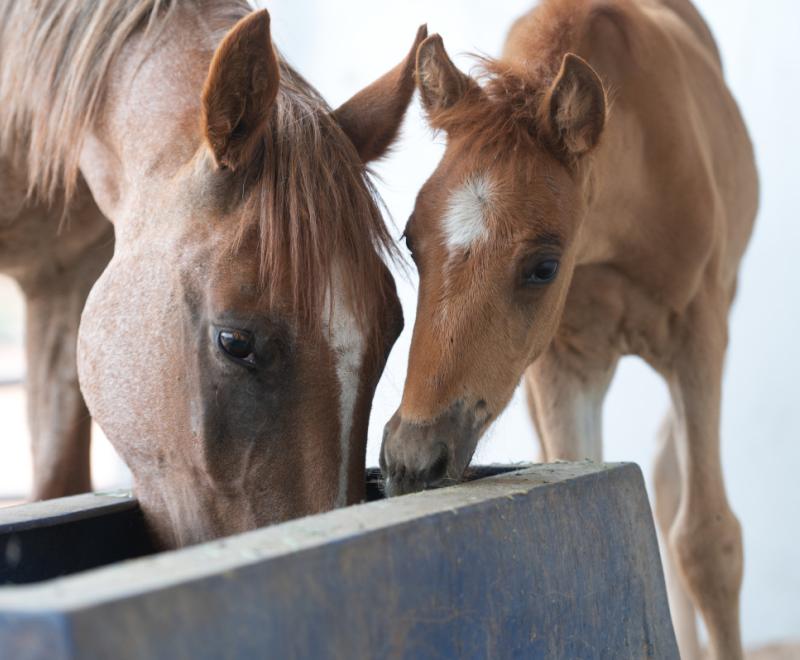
(567, 391)
(59, 422)
(567, 384)
(666, 480)
(705, 538)
(534, 418)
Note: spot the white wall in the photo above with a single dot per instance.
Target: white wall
(342, 46)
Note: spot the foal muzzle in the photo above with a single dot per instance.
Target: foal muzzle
(421, 455)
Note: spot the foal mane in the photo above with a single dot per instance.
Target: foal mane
(515, 90)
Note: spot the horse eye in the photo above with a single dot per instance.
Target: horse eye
(541, 272)
(409, 244)
(238, 344)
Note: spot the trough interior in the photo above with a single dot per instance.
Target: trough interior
(58, 544)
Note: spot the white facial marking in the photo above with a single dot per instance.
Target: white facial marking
(347, 343)
(465, 220)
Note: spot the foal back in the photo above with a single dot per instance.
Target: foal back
(675, 148)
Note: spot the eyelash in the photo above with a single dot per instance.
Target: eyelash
(409, 243)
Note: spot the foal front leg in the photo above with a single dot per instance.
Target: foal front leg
(705, 537)
(59, 423)
(565, 394)
(530, 400)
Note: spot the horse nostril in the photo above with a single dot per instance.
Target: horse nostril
(438, 468)
(382, 460)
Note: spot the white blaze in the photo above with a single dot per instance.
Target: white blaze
(465, 220)
(347, 343)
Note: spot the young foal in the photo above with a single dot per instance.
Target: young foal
(557, 235)
(231, 347)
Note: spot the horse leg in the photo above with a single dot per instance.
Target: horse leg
(567, 392)
(59, 422)
(666, 480)
(705, 537)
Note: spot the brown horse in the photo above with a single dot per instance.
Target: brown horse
(594, 200)
(231, 345)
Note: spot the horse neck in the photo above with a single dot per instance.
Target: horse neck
(148, 126)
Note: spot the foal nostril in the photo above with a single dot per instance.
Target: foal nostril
(388, 430)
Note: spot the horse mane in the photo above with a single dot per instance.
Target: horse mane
(309, 198)
(66, 48)
(309, 201)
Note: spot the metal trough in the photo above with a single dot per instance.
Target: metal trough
(549, 561)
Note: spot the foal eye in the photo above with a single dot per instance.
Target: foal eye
(238, 344)
(541, 272)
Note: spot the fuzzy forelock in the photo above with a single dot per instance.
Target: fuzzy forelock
(499, 114)
(506, 109)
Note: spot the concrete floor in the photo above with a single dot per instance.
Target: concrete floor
(775, 652)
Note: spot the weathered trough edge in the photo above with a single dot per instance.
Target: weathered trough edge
(167, 569)
(65, 509)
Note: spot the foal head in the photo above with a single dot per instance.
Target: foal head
(232, 347)
(493, 236)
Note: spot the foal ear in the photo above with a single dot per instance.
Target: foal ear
(240, 90)
(441, 84)
(575, 108)
(373, 116)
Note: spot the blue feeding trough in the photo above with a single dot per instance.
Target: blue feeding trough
(544, 561)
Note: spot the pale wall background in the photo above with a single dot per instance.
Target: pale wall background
(342, 46)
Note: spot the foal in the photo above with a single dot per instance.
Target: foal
(594, 200)
(232, 344)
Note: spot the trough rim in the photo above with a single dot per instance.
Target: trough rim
(51, 513)
(165, 570)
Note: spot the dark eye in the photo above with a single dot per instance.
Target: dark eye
(540, 272)
(409, 243)
(238, 344)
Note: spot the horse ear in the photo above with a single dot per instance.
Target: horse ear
(240, 90)
(441, 84)
(373, 116)
(574, 108)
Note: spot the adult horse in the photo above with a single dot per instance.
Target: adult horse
(231, 345)
(556, 236)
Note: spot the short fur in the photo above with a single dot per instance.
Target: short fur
(646, 209)
(49, 106)
(238, 203)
